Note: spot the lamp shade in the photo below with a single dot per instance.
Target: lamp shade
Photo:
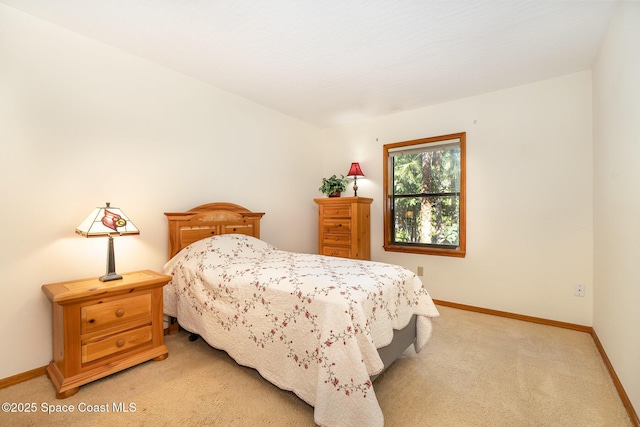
(107, 221)
(355, 170)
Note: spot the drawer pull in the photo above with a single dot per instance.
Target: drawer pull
(335, 238)
(120, 343)
(338, 225)
(120, 313)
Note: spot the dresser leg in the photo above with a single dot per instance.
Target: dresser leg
(67, 393)
(161, 357)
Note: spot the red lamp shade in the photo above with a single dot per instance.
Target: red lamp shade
(355, 170)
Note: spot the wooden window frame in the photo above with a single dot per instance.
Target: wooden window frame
(389, 245)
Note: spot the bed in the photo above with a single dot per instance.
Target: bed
(321, 327)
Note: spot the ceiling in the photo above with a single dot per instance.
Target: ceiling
(337, 61)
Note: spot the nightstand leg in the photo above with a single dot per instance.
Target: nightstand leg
(161, 357)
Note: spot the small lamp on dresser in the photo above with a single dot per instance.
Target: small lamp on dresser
(108, 222)
(355, 171)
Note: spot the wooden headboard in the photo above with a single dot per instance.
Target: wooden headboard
(210, 220)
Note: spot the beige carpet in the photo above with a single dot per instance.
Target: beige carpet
(477, 370)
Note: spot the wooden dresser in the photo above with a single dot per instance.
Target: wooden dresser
(344, 228)
(104, 327)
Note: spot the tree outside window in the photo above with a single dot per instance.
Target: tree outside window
(425, 196)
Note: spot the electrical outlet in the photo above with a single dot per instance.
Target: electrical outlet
(578, 290)
(420, 271)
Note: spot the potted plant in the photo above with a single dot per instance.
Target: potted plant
(333, 186)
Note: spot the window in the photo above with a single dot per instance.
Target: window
(424, 185)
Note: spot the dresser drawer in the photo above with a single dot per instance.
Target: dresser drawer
(344, 252)
(336, 239)
(337, 210)
(336, 226)
(99, 316)
(114, 343)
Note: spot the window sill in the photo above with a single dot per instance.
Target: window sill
(457, 253)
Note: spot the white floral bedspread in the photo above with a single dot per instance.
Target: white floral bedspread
(308, 323)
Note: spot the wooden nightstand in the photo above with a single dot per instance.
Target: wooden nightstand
(100, 328)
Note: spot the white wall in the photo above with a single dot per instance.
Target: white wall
(173, 143)
(529, 195)
(81, 124)
(616, 77)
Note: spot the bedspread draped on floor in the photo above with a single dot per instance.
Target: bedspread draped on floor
(308, 323)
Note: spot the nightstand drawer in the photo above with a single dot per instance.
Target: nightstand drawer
(337, 210)
(99, 316)
(115, 343)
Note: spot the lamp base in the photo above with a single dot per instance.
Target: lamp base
(109, 277)
(111, 264)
